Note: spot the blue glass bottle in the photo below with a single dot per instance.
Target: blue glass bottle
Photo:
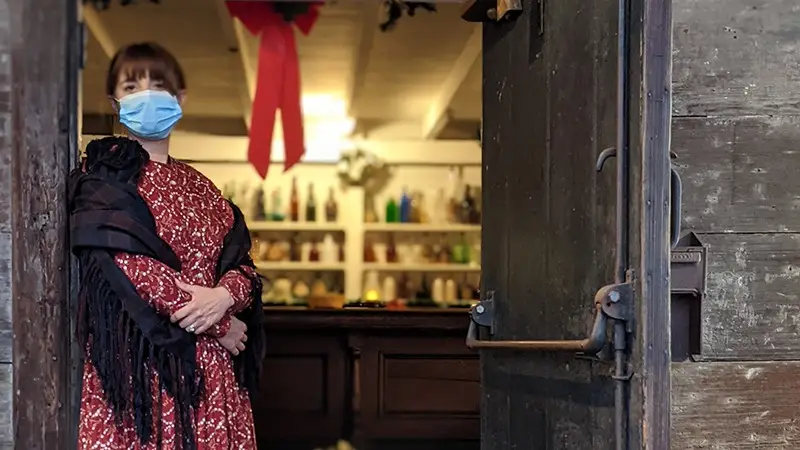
(405, 207)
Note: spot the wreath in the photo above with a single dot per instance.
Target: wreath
(292, 9)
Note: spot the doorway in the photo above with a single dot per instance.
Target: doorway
(573, 241)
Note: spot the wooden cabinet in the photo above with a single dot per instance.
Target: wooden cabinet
(368, 376)
(303, 388)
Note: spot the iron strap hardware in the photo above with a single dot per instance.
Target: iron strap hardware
(612, 302)
(491, 10)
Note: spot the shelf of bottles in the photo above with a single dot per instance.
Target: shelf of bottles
(299, 250)
(340, 252)
(421, 253)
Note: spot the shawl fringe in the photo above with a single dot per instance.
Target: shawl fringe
(137, 353)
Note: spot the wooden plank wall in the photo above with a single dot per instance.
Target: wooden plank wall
(736, 118)
(6, 389)
(38, 130)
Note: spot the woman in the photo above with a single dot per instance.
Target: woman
(168, 290)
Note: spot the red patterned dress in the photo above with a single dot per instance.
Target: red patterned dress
(193, 218)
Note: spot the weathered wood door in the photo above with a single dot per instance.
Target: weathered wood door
(736, 134)
(550, 224)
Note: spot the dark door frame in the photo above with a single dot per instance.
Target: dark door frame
(45, 43)
(652, 350)
(647, 424)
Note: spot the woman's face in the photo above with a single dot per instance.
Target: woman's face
(127, 86)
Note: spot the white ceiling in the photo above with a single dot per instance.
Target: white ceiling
(420, 80)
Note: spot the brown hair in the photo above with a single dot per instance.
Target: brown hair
(146, 58)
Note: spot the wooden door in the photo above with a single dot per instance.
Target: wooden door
(550, 225)
(735, 122)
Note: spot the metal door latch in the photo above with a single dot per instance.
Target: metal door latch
(612, 302)
(490, 10)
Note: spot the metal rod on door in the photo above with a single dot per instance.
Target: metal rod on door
(620, 333)
(613, 302)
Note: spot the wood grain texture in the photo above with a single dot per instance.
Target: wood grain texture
(548, 232)
(653, 197)
(42, 124)
(736, 57)
(739, 174)
(735, 406)
(752, 304)
(6, 369)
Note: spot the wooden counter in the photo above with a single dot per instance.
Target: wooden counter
(393, 379)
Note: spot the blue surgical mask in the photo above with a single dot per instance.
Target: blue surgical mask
(150, 114)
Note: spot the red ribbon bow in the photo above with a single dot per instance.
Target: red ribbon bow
(278, 82)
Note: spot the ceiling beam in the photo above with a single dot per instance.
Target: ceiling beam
(438, 113)
(242, 61)
(95, 25)
(362, 48)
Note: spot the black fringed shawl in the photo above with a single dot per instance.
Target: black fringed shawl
(129, 341)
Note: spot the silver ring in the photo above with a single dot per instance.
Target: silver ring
(190, 328)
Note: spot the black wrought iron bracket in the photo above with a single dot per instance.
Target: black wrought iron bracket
(491, 10)
(612, 302)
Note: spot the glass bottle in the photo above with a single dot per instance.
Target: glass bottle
(415, 210)
(427, 252)
(476, 205)
(259, 205)
(370, 215)
(405, 207)
(311, 205)
(372, 287)
(294, 202)
(369, 252)
(439, 212)
(391, 211)
(329, 248)
(389, 289)
(465, 208)
(453, 190)
(391, 251)
(296, 248)
(277, 206)
(313, 254)
(444, 252)
(424, 292)
(331, 208)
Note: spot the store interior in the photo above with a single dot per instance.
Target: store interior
(371, 243)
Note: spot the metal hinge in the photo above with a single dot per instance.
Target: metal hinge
(491, 10)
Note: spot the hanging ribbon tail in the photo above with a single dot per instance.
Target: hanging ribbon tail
(278, 81)
(291, 106)
(269, 87)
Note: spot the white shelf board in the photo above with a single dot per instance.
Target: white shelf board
(294, 226)
(422, 228)
(430, 267)
(301, 266)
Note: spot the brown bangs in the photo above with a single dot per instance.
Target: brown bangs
(136, 61)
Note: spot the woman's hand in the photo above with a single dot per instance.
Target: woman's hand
(206, 308)
(236, 337)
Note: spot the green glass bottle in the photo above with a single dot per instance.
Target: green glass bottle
(391, 211)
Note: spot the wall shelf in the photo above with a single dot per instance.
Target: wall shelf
(356, 231)
(430, 267)
(296, 266)
(288, 226)
(421, 228)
